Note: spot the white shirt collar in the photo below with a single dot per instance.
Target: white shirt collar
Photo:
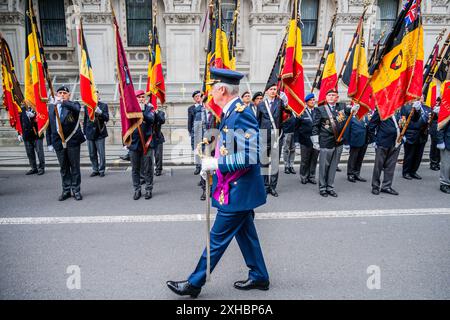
(227, 106)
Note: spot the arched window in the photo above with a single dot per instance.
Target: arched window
(139, 21)
(228, 8)
(53, 23)
(309, 11)
(387, 12)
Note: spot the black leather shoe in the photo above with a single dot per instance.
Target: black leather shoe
(312, 181)
(137, 195)
(184, 288)
(376, 191)
(32, 171)
(77, 196)
(292, 170)
(93, 174)
(287, 171)
(203, 196)
(142, 182)
(416, 176)
(303, 181)
(273, 192)
(351, 179)
(40, 172)
(332, 193)
(126, 157)
(323, 193)
(148, 195)
(338, 169)
(157, 173)
(64, 196)
(250, 284)
(407, 176)
(102, 174)
(197, 170)
(390, 191)
(358, 178)
(445, 189)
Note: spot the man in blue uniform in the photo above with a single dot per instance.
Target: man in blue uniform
(158, 140)
(96, 133)
(238, 188)
(193, 110)
(357, 138)
(435, 154)
(416, 137)
(67, 151)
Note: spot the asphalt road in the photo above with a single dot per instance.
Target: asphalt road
(314, 247)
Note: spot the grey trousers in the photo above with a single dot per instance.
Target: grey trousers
(385, 161)
(158, 153)
(69, 163)
(142, 165)
(445, 167)
(289, 150)
(32, 148)
(97, 154)
(328, 161)
(308, 162)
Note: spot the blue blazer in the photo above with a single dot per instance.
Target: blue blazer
(69, 117)
(303, 128)
(29, 126)
(443, 135)
(96, 129)
(417, 131)
(146, 128)
(356, 134)
(384, 133)
(239, 134)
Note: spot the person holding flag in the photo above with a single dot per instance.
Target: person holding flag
(34, 144)
(443, 139)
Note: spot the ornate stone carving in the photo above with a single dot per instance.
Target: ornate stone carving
(440, 19)
(347, 18)
(12, 18)
(268, 18)
(97, 18)
(182, 18)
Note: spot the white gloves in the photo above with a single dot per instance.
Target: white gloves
(355, 108)
(209, 164)
(30, 114)
(19, 137)
(284, 98)
(441, 146)
(346, 147)
(50, 148)
(436, 109)
(417, 105)
(374, 145)
(315, 141)
(98, 110)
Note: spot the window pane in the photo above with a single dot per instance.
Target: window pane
(386, 15)
(139, 20)
(309, 12)
(53, 22)
(228, 7)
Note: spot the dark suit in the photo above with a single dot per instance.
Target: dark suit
(68, 157)
(191, 116)
(33, 143)
(141, 162)
(416, 137)
(435, 154)
(309, 155)
(357, 137)
(271, 158)
(330, 149)
(385, 134)
(96, 132)
(158, 139)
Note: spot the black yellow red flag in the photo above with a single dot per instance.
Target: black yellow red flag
(156, 87)
(398, 75)
(35, 90)
(328, 78)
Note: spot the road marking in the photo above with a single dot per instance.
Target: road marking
(201, 217)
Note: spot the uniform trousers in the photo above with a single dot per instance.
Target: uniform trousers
(32, 148)
(289, 150)
(355, 160)
(308, 162)
(69, 163)
(97, 154)
(385, 161)
(158, 153)
(328, 162)
(227, 226)
(412, 157)
(142, 165)
(435, 154)
(445, 167)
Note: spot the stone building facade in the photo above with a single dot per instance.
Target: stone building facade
(183, 37)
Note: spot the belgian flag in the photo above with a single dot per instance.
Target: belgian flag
(443, 75)
(356, 76)
(431, 95)
(292, 73)
(222, 52)
(156, 87)
(35, 91)
(87, 85)
(398, 75)
(328, 80)
(12, 95)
